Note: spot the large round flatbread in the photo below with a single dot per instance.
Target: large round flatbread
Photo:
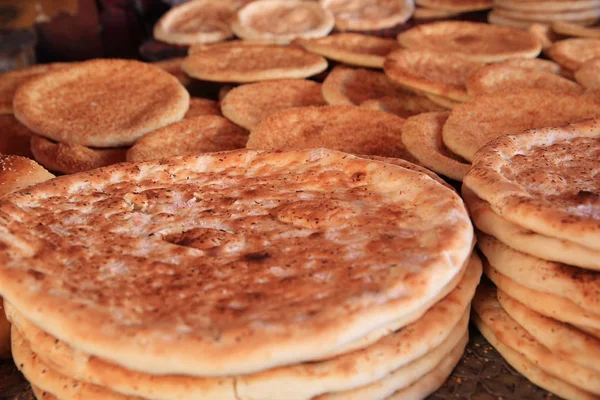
(439, 73)
(444, 322)
(456, 5)
(572, 53)
(545, 180)
(252, 62)
(281, 21)
(476, 41)
(352, 48)
(247, 105)
(507, 331)
(474, 124)
(203, 134)
(525, 240)
(197, 21)
(200, 223)
(422, 136)
(350, 129)
(496, 77)
(100, 103)
(368, 15)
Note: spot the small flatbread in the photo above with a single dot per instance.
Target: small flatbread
(445, 102)
(589, 74)
(547, 5)
(354, 86)
(200, 106)
(571, 29)
(581, 16)
(203, 134)
(422, 136)
(173, 66)
(544, 180)
(368, 15)
(70, 158)
(474, 124)
(252, 62)
(100, 103)
(475, 41)
(456, 5)
(15, 138)
(354, 130)
(247, 105)
(281, 21)
(424, 13)
(352, 48)
(496, 78)
(442, 74)
(573, 53)
(525, 240)
(197, 21)
(10, 81)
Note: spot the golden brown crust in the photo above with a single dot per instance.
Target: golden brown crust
(247, 105)
(572, 29)
(580, 16)
(589, 74)
(572, 53)
(100, 103)
(535, 64)
(15, 138)
(408, 165)
(548, 5)
(203, 134)
(352, 48)
(368, 15)
(164, 273)
(19, 172)
(544, 34)
(442, 74)
(456, 5)
(70, 158)
(545, 180)
(173, 66)
(281, 21)
(476, 41)
(200, 106)
(251, 62)
(433, 13)
(197, 21)
(403, 106)
(350, 129)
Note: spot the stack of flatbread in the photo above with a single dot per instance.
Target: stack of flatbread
(524, 13)
(535, 199)
(292, 275)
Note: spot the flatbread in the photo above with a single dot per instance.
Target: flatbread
(588, 74)
(448, 104)
(572, 53)
(537, 64)
(544, 180)
(572, 29)
(561, 339)
(433, 13)
(100, 103)
(247, 105)
(200, 107)
(403, 105)
(474, 124)
(456, 5)
(10, 81)
(281, 21)
(499, 20)
(582, 16)
(547, 5)
(252, 62)
(507, 331)
(368, 15)
(352, 48)
(526, 241)
(204, 134)
(197, 21)
(422, 136)
(442, 74)
(70, 158)
(173, 66)
(476, 41)
(150, 204)
(496, 78)
(15, 138)
(350, 129)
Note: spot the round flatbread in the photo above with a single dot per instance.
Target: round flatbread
(203, 271)
(547, 5)
(525, 240)
(10, 81)
(573, 53)
(496, 78)
(70, 158)
(544, 180)
(586, 16)
(403, 105)
(368, 15)
(442, 74)
(100, 103)
(15, 138)
(474, 124)
(197, 21)
(173, 66)
(354, 86)
(456, 5)
(203, 134)
(422, 136)
(352, 48)
(281, 21)
(200, 107)
(252, 62)
(475, 41)
(350, 129)
(247, 105)
(572, 29)
(433, 13)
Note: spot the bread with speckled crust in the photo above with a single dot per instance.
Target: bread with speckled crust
(229, 263)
